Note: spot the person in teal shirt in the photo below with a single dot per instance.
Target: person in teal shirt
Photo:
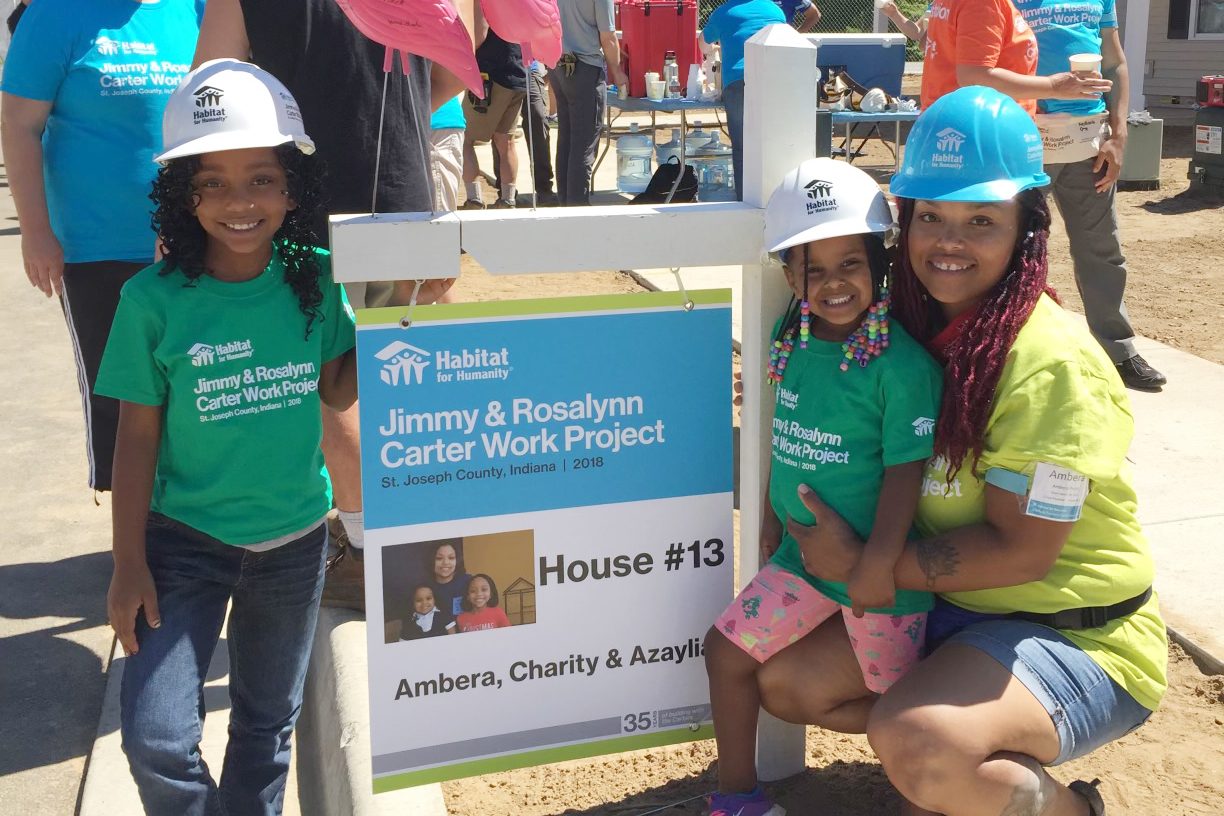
(85, 83)
(1085, 141)
(854, 418)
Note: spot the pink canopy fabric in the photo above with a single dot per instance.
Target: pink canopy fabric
(428, 28)
(533, 24)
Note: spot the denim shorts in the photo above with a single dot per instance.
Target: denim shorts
(1087, 707)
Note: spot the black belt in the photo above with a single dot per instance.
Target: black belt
(1085, 617)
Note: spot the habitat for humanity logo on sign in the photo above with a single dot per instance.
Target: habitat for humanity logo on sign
(949, 142)
(405, 364)
(203, 354)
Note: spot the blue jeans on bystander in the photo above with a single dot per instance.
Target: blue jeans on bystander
(275, 598)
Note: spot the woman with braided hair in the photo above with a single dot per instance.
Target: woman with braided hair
(1046, 641)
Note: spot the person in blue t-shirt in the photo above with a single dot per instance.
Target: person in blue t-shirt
(802, 14)
(730, 26)
(85, 83)
(1084, 144)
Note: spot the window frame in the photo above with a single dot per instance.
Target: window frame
(1194, 33)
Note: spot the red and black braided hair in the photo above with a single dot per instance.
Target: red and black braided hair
(975, 358)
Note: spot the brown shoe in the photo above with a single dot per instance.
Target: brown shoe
(1089, 791)
(344, 583)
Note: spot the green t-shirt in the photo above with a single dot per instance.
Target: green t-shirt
(1059, 401)
(836, 431)
(239, 381)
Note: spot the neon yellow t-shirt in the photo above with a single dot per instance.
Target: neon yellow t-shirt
(1059, 400)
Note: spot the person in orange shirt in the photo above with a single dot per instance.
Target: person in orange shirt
(987, 42)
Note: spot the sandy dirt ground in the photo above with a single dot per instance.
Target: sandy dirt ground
(1173, 766)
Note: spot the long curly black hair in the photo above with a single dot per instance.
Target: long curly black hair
(185, 241)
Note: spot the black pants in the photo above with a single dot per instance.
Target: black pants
(89, 300)
(580, 112)
(535, 126)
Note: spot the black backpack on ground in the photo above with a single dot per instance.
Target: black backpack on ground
(669, 186)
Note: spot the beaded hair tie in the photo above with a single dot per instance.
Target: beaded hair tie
(866, 343)
(871, 337)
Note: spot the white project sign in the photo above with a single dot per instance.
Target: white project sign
(548, 526)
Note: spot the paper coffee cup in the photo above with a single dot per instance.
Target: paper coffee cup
(1085, 62)
(652, 76)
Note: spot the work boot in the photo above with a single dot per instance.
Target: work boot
(1137, 374)
(472, 204)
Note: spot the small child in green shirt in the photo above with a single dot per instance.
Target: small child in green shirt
(854, 418)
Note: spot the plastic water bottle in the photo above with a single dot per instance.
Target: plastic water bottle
(634, 152)
(671, 76)
(695, 139)
(665, 151)
(716, 172)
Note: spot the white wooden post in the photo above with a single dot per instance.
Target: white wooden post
(779, 133)
(780, 96)
(1134, 45)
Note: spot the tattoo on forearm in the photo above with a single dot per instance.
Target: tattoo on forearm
(937, 558)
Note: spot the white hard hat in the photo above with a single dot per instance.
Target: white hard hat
(824, 198)
(226, 104)
(874, 101)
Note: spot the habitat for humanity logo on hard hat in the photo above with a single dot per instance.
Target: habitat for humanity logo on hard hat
(820, 196)
(948, 144)
(208, 105)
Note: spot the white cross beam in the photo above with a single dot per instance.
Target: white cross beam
(779, 133)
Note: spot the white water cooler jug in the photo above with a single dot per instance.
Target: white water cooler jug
(634, 152)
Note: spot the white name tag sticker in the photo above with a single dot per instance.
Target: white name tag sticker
(1057, 493)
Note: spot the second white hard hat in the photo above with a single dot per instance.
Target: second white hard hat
(226, 104)
(824, 198)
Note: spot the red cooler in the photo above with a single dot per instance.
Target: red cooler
(650, 28)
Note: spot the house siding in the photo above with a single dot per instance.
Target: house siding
(1176, 65)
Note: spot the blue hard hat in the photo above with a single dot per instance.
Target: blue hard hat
(974, 144)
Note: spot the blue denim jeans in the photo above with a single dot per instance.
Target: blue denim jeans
(275, 606)
(1087, 707)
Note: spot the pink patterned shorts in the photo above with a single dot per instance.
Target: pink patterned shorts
(777, 608)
